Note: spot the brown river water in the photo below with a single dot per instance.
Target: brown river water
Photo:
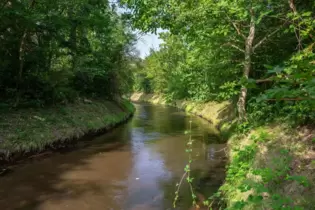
(134, 167)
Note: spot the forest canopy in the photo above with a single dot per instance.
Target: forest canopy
(54, 51)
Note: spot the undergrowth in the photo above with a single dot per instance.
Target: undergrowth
(262, 172)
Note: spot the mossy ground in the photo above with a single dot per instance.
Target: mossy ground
(28, 130)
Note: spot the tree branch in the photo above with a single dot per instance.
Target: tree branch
(292, 6)
(4, 4)
(236, 27)
(266, 37)
(270, 79)
(296, 31)
(234, 46)
(291, 99)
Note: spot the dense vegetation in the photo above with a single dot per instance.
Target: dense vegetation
(259, 54)
(55, 51)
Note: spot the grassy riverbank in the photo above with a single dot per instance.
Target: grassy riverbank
(34, 130)
(270, 167)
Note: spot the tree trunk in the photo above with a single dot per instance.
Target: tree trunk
(73, 39)
(21, 66)
(247, 68)
(21, 62)
(297, 28)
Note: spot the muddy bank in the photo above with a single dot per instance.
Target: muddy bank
(34, 133)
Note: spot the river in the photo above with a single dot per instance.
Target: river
(134, 167)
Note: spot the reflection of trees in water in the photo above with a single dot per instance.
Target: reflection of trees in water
(207, 166)
(169, 120)
(165, 119)
(154, 121)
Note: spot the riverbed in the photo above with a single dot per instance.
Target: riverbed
(134, 167)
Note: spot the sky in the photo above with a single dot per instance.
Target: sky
(146, 42)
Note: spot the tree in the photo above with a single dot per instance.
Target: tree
(224, 45)
(53, 51)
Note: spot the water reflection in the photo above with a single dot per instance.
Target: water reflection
(138, 170)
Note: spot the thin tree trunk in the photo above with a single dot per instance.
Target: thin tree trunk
(297, 31)
(21, 61)
(247, 68)
(6, 3)
(73, 39)
(21, 66)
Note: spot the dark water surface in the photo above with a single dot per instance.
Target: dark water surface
(138, 170)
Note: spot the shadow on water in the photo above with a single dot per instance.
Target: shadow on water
(137, 170)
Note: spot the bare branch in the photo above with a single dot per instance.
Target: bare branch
(5, 4)
(296, 31)
(291, 99)
(236, 27)
(270, 79)
(238, 30)
(266, 37)
(234, 46)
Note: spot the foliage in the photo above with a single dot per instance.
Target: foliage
(258, 184)
(256, 53)
(213, 50)
(55, 51)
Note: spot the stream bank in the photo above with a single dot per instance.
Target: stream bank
(270, 167)
(134, 166)
(28, 132)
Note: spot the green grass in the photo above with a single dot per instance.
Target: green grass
(270, 168)
(33, 129)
